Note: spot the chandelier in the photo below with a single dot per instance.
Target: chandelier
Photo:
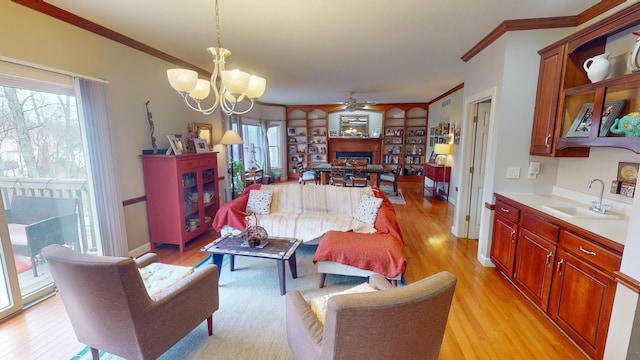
(229, 90)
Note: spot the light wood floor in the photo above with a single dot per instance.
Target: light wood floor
(489, 319)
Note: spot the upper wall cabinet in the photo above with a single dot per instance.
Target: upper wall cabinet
(573, 114)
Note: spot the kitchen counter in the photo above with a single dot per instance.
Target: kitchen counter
(613, 227)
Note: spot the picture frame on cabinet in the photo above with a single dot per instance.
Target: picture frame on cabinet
(419, 132)
(375, 133)
(432, 158)
(396, 140)
(293, 149)
(291, 131)
(333, 133)
(201, 145)
(175, 140)
(581, 126)
(610, 113)
(389, 132)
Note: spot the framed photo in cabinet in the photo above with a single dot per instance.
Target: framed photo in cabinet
(291, 131)
(610, 113)
(333, 133)
(389, 132)
(419, 132)
(293, 149)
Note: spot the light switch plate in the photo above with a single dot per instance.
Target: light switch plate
(513, 173)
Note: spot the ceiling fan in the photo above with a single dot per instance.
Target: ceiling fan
(351, 104)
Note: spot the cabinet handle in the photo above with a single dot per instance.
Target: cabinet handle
(592, 253)
(513, 233)
(504, 210)
(549, 255)
(559, 265)
(546, 140)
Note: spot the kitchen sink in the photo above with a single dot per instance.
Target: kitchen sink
(578, 212)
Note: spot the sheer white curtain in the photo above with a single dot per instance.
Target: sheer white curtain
(103, 175)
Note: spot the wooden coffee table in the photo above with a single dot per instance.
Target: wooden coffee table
(281, 249)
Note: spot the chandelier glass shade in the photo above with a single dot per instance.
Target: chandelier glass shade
(230, 87)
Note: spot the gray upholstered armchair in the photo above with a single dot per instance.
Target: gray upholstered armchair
(394, 323)
(111, 310)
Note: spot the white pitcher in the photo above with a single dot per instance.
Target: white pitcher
(598, 67)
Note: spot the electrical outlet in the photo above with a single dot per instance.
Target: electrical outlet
(513, 173)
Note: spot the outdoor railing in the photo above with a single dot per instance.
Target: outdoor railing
(57, 188)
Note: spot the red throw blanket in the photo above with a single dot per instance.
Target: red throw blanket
(233, 212)
(380, 253)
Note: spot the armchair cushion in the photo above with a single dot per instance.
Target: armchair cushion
(157, 276)
(319, 304)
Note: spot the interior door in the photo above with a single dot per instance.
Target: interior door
(481, 124)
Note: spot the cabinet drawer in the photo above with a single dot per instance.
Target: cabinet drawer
(207, 162)
(187, 164)
(540, 227)
(589, 251)
(429, 171)
(507, 211)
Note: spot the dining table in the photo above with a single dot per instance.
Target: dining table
(373, 170)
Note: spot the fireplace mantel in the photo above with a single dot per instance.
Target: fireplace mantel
(352, 144)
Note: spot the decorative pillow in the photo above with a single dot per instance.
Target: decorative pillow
(368, 209)
(259, 202)
(319, 304)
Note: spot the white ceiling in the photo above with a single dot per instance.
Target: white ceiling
(315, 51)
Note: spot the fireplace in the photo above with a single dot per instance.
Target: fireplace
(355, 155)
(360, 147)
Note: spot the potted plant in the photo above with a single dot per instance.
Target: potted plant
(275, 175)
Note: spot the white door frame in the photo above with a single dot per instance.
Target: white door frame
(463, 201)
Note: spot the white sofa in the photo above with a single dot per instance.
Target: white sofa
(309, 212)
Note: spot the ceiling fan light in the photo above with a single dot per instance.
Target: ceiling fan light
(202, 89)
(235, 81)
(256, 88)
(182, 80)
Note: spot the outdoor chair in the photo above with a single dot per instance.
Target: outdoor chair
(111, 309)
(392, 323)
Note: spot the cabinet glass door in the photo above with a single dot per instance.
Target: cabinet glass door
(209, 194)
(191, 199)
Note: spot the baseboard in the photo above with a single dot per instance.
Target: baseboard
(485, 261)
(139, 251)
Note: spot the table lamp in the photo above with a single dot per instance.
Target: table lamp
(231, 137)
(442, 150)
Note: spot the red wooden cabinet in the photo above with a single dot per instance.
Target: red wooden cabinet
(182, 196)
(439, 177)
(503, 239)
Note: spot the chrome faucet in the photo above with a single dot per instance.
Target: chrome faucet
(598, 206)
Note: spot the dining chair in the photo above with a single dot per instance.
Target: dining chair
(307, 175)
(391, 177)
(359, 173)
(338, 174)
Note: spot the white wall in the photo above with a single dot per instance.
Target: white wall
(451, 113)
(133, 77)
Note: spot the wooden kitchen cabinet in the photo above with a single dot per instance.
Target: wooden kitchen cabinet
(565, 271)
(583, 294)
(563, 88)
(182, 196)
(534, 267)
(503, 239)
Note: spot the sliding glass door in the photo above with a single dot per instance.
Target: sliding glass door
(43, 185)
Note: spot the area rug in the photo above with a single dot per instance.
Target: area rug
(388, 190)
(250, 323)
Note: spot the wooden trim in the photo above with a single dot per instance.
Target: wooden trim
(627, 281)
(135, 200)
(451, 91)
(540, 23)
(65, 16)
(336, 107)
